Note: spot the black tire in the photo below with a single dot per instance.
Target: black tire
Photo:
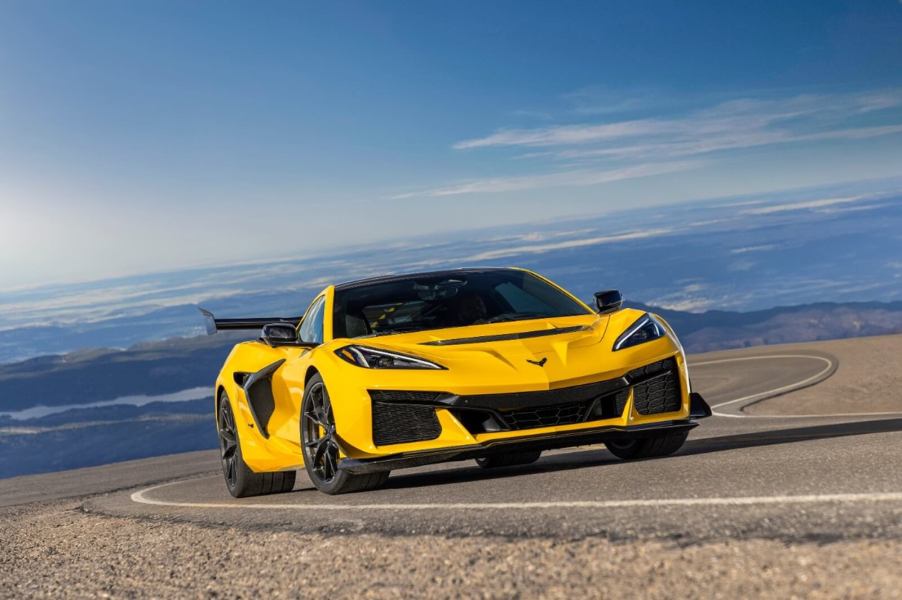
(320, 448)
(240, 480)
(663, 444)
(510, 459)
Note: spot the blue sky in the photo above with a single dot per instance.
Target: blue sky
(142, 136)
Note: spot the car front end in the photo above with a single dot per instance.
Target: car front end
(433, 396)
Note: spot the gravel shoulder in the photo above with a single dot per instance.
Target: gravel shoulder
(45, 550)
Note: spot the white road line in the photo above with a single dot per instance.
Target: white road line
(811, 416)
(781, 390)
(717, 361)
(769, 393)
(140, 497)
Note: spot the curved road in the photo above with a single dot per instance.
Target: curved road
(798, 477)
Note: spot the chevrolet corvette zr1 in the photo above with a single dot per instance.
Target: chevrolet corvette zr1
(491, 364)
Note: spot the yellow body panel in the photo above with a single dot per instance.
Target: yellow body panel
(491, 367)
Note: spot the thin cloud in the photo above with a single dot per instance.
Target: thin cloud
(566, 134)
(577, 177)
(726, 142)
(759, 248)
(804, 205)
(593, 153)
(577, 243)
(740, 123)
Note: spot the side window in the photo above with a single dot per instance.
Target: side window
(312, 326)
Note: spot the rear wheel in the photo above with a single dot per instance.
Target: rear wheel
(239, 478)
(509, 459)
(320, 445)
(663, 444)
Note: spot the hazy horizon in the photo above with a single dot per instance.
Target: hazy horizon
(888, 185)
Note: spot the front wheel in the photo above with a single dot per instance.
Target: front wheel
(240, 480)
(319, 444)
(663, 444)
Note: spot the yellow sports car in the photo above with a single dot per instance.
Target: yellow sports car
(491, 364)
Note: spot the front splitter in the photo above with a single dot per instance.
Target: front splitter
(583, 437)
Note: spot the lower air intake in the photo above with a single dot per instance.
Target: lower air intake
(402, 423)
(659, 393)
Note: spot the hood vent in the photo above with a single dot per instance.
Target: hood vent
(507, 336)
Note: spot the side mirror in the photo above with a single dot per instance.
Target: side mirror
(279, 334)
(608, 301)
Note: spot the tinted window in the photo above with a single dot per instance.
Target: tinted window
(312, 326)
(453, 299)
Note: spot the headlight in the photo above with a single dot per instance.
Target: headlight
(371, 358)
(644, 330)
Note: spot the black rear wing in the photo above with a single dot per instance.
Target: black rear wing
(213, 324)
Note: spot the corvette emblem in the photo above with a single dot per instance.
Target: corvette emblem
(540, 363)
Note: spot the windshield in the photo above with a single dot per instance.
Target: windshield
(453, 299)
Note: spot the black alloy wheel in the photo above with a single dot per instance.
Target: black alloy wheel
(228, 443)
(240, 480)
(321, 448)
(320, 444)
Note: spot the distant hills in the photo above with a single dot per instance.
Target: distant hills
(721, 330)
(150, 368)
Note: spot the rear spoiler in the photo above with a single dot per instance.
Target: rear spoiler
(213, 324)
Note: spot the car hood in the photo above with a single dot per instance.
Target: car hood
(541, 352)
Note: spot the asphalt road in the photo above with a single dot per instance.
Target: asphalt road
(794, 477)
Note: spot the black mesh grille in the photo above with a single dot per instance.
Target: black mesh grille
(546, 416)
(609, 406)
(405, 396)
(647, 371)
(660, 392)
(541, 398)
(400, 423)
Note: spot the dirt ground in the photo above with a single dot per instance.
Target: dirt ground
(58, 551)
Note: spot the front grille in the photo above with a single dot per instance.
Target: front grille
(546, 416)
(401, 423)
(659, 393)
(401, 416)
(609, 406)
(514, 401)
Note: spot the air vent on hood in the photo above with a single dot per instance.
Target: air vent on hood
(507, 336)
